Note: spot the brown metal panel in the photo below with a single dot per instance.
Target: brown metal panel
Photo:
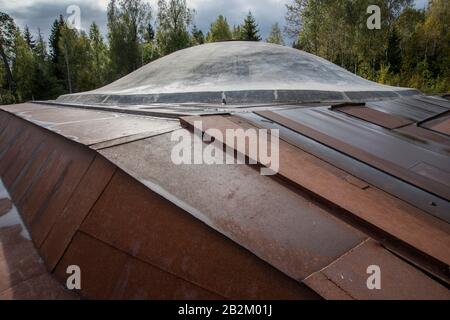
(27, 151)
(425, 135)
(86, 194)
(399, 280)
(441, 125)
(31, 171)
(326, 288)
(386, 213)
(138, 221)
(11, 155)
(17, 108)
(279, 225)
(109, 273)
(386, 120)
(75, 161)
(360, 154)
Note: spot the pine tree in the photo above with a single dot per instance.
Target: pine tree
(393, 52)
(249, 30)
(55, 35)
(29, 38)
(220, 30)
(276, 36)
(197, 36)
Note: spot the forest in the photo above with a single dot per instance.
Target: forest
(411, 49)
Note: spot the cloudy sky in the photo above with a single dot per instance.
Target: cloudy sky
(41, 13)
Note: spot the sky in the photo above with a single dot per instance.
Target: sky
(41, 13)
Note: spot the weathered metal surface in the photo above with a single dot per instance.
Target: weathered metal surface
(374, 147)
(398, 279)
(426, 138)
(281, 226)
(109, 273)
(132, 138)
(417, 197)
(76, 210)
(374, 116)
(133, 241)
(416, 108)
(411, 226)
(148, 227)
(440, 125)
(89, 127)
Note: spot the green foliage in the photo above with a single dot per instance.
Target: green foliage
(276, 36)
(174, 19)
(411, 49)
(128, 22)
(220, 30)
(249, 30)
(197, 36)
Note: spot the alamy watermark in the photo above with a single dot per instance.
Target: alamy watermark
(374, 20)
(215, 147)
(74, 17)
(374, 280)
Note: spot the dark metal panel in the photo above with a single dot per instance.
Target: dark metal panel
(377, 148)
(408, 108)
(150, 228)
(385, 120)
(109, 273)
(440, 125)
(411, 194)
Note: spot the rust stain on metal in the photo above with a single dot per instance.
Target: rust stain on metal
(382, 119)
(398, 279)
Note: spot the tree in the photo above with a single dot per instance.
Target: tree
(197, 36)
(293, 18)
(174, 19)
(220, 30)
(55, 34)
(29, 38)
(276, 36)
(237, 33)
(7, 39)
(127, 22)
(23, 63)
(99, 55)
(249, 30)
(393, 52)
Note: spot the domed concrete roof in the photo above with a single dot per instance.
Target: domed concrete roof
(239, 72)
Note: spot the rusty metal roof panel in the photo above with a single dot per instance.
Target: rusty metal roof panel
(277, 224)
(414, 108)
(374, 116)
(377, 147)
(349, 275)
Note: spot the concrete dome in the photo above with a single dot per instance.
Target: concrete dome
(240, 72)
